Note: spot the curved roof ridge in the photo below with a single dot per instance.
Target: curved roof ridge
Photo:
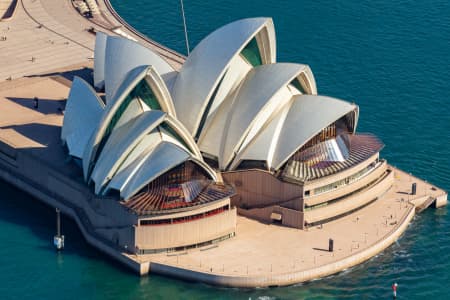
(155, 83)
(127, 170)
(123, 55)
(121, 143)
(211, 138)
(262, 147)
(163, 158)
(207, 63)
(184, 134)
(131, 80)
(256, 101)
(312, 113)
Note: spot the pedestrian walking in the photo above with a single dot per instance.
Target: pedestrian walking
(36, 102)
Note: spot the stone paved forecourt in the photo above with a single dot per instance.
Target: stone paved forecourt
(215, 215)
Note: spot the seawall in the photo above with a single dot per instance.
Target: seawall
(288, 278)
(56, 190)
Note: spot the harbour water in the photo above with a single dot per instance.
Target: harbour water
(390, 57)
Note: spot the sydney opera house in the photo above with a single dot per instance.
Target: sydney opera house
(231, 132)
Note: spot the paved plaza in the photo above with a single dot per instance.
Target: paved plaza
(47, 34)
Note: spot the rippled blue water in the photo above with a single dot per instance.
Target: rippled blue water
(390, 57)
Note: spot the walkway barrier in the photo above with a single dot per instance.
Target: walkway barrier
(93, 7)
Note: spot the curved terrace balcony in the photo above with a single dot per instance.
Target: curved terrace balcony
(303, 166)
(179, 189)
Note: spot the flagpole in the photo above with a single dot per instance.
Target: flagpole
(185, 28)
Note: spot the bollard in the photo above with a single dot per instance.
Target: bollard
(413, 188)
(330, 245)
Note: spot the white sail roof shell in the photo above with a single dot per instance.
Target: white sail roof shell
(165, 157)
(236, 72)
(162, 158)
(299, 121)
(82, 114)
(121, 142)
(122, 55)
(138, 156)
(184, 135)
(206, 64)
(212, 138)
(308, 115)
(154, 80)
(132, 78)
(129, 82)
(126, 139)
(263, 146)
(168, 155)
(256, 113)
(262, 93)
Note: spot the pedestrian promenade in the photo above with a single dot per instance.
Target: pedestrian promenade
(48, 34)
(266, 254)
